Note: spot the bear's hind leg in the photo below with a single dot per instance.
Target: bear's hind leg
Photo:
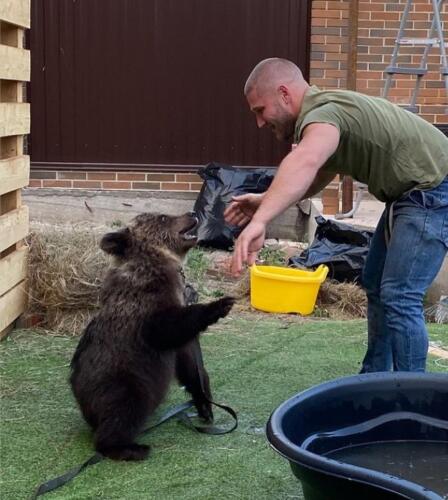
(123, 416)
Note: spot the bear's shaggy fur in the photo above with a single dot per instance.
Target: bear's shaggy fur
(143, 335)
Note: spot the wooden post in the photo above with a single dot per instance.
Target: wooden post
(14, 165)
(330, 200)
(347, 193)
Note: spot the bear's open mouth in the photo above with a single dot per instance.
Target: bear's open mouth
(189, 233)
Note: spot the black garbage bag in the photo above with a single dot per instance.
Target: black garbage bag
(221, 182)
(339, 246)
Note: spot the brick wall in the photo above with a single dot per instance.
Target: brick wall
(116, 180)
(329, 43)
(328, 65)
(378, 23)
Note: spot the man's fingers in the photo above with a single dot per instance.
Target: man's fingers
(240, 254)
(235, 259)
(252, 258)
(241, 197)
(230, 218)
(240, 219)
(231, 212)
(230, 209)
(235, 216)
(236, 264)
(244, 220)
(247, 246)
(244, 249)
(235, 219)
(234, 206)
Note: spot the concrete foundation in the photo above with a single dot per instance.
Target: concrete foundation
(107, 207)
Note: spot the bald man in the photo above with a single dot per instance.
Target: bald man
(404, 162)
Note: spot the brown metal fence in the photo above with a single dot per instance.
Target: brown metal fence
(139, 83)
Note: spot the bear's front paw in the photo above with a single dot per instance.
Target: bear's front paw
(223, 306)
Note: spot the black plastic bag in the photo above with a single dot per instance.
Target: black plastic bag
(221, 182)
(341, 247)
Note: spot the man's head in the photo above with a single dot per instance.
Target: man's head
(274, 91)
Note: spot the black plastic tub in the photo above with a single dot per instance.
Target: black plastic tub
(347, 438)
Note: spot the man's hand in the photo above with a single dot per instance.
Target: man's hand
(249, 242)
(292, 182)
(242, 208)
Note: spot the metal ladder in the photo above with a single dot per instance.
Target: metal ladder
(435, 39)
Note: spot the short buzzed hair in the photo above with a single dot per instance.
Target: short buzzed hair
(271, 72)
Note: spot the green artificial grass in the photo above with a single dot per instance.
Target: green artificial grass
(255, 363)
(439, 335)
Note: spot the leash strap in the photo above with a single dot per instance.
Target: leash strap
(178, 411)
(57, 482)
(210, 429)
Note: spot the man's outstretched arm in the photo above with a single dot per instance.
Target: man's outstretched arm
(292, 182)
(298, 170)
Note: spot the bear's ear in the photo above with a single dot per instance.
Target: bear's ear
(116, 243)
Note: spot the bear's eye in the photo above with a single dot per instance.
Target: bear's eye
(164, 219)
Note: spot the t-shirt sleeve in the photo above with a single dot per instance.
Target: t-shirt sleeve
(327, 113)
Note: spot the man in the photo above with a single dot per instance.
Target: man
(404, 162)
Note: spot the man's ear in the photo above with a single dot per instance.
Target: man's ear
(116, 243)
(284, 93)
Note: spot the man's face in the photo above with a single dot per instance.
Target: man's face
(271, 108)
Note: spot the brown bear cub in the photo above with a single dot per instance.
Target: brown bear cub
(143, 335)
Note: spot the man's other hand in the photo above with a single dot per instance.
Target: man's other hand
(242, 208)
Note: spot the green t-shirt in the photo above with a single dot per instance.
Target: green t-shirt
(381, 145)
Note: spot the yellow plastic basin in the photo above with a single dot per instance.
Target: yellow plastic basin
(284, 289)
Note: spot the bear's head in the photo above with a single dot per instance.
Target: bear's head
(149, 230)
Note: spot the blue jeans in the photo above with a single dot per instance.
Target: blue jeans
(397, 275)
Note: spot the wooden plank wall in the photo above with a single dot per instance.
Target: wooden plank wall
(14, 165)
